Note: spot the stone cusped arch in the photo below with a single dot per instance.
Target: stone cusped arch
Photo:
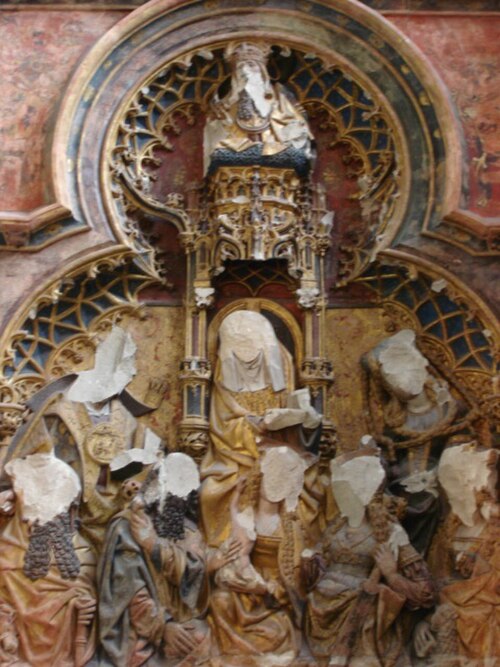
(345, 34)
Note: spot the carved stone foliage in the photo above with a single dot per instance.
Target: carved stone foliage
(260, 214)
(166, 115)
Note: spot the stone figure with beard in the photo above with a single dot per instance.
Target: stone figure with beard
(256, 122)
(153, 574)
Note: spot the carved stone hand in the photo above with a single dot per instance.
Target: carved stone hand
(179, 637)
(385, 561)
(423, 639)
(142, 530)
(7, 502)
(221, 557)
(86, 610)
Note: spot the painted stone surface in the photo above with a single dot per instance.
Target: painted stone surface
(464, 53)
(259, 394)
(40, 51)
(406, 5)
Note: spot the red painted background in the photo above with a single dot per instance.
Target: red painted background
(40, 49)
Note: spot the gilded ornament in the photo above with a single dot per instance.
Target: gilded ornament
(103, 442)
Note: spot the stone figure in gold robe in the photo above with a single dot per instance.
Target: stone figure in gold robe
(465, 560)
(257, 122)
(47, 570)
(354, 612)
(253, 380)
(257, 606)
(86, 420)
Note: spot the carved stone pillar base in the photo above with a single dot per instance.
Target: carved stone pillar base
(193, 441)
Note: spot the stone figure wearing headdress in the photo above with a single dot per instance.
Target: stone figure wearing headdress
(465, 561)
(47, 570)
(153, 574)
(354, 612)
(257, 122)
(413, 414)
(252, 385)
(257, 606)
(86, 422)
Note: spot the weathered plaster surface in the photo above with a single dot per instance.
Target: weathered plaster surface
(465, 52)
(39, 50)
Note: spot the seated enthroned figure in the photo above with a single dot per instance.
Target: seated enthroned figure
(257, 123)
(372, 573)
(253, 384)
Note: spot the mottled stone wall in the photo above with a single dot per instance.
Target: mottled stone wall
(40, 50)
(464, 50)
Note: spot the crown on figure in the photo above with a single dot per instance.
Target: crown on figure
(247, 51)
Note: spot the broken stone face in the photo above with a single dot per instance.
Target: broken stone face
(282, 476)
(402, 366)
(114, 368)
(421, 481)
(249, 353)
(308, 297)
(44, 486)
(178, 475)
(204, 297)
(251, 77)
(354, 483)
(462, 472)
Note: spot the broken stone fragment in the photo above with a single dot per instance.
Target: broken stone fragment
(44, 485)
(354, 483)
(282, 476)
(114, 368)
(463, 471)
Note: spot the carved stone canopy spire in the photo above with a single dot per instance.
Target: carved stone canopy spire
(258, 198)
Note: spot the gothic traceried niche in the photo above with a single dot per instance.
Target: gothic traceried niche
(355, 169)
(252, 434)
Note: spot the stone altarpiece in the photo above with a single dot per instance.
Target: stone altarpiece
(239, 434)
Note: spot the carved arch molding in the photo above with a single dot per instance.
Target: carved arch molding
(127, 156)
